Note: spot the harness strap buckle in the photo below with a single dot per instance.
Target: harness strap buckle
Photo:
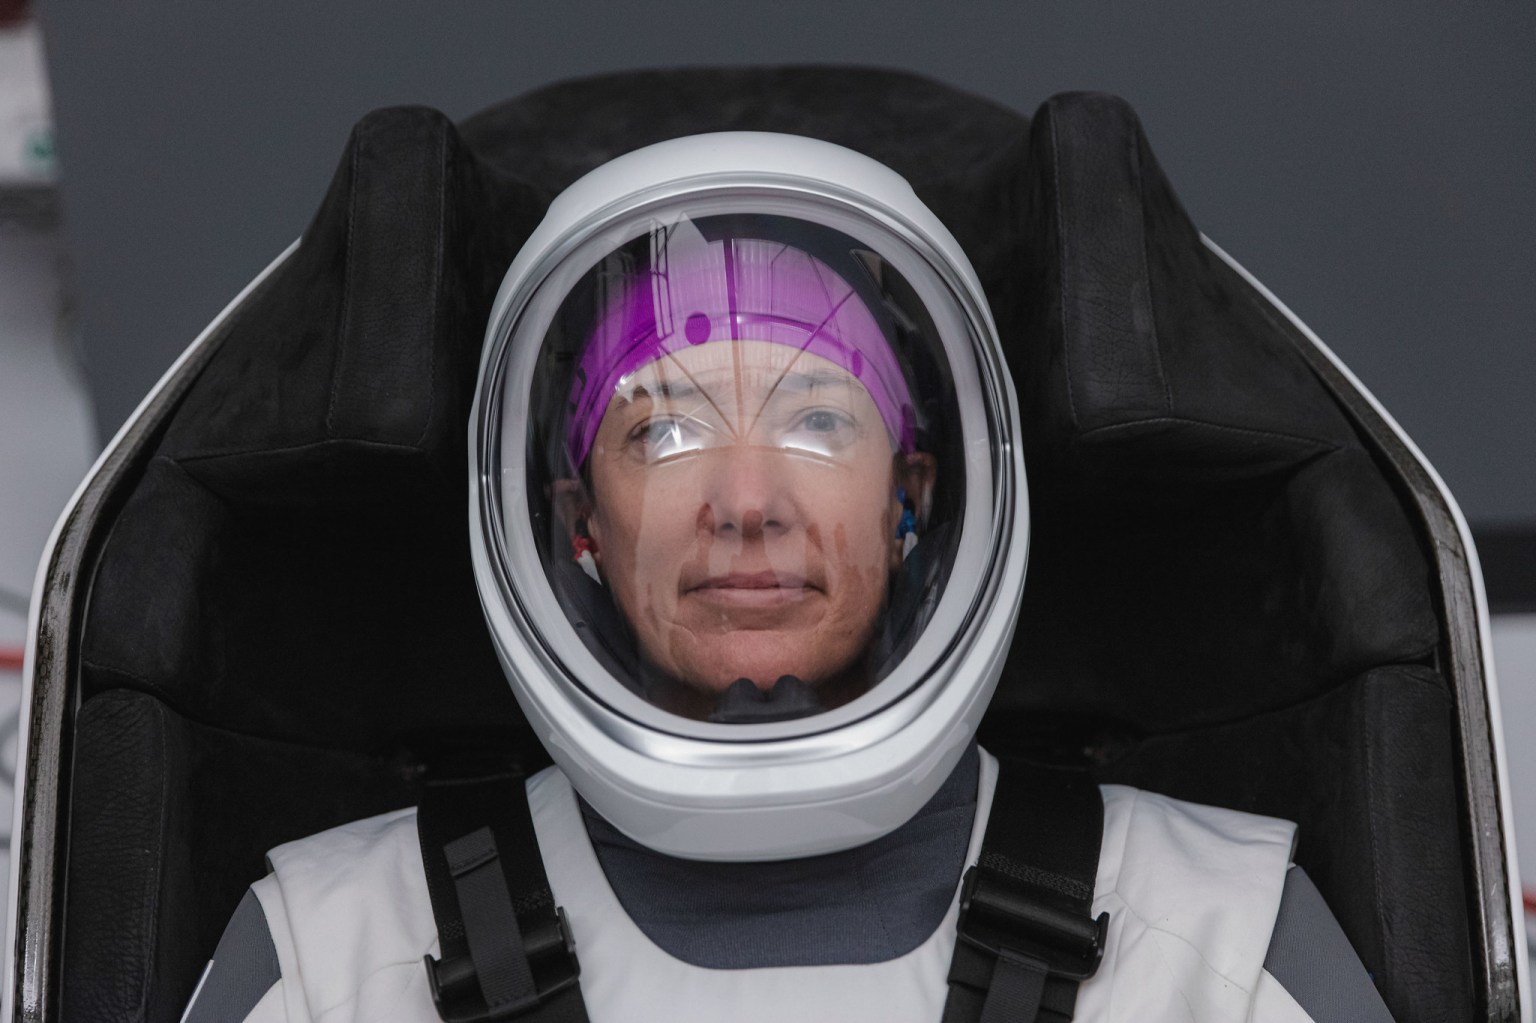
(999, 913)
(551, 952)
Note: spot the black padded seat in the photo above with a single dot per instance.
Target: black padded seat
(283, 628)
(1228, 600)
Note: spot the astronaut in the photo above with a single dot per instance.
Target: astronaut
(749, 523)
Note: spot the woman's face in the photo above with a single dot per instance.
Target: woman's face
(743, 513)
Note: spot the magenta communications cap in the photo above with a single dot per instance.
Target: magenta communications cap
(734, 289)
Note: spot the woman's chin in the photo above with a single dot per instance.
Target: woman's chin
(709, 659)
(737, 660)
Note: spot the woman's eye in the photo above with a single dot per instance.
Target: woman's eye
(821, 431)
(663, 438)
(661, 432)
(823, 421)
(826, 421)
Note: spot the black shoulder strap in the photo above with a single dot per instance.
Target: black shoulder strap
(1027, 938)
(506, 952)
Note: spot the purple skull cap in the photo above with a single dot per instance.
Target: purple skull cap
(733, 289)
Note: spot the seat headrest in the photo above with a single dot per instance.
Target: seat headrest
(1141, 351)
(346, 378)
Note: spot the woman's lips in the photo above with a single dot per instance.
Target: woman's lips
(752, 589)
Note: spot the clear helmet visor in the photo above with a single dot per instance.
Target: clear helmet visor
(733, 443)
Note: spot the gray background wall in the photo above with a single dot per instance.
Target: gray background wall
(1372, 161)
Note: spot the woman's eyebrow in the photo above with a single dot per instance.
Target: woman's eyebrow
(677, 389)
(658, 391)
(796, 381)
(671, 391)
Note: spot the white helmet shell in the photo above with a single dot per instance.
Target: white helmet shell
(701, 787)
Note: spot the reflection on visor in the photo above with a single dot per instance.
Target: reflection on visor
(750, 393)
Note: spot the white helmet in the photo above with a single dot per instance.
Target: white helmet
(748, 509)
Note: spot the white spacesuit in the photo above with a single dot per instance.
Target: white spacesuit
(749, 523)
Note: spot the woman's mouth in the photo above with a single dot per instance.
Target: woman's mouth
(752, 589)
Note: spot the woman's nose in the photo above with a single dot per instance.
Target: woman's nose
(748, 492)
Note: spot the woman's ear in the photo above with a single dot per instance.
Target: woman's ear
(916, 473)
(573, 506)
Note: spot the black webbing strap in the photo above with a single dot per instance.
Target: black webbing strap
(506, 952)
(1026, 937)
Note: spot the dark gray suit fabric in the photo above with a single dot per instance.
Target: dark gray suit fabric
(1313, 960)
(244, 968)
(865, 905)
